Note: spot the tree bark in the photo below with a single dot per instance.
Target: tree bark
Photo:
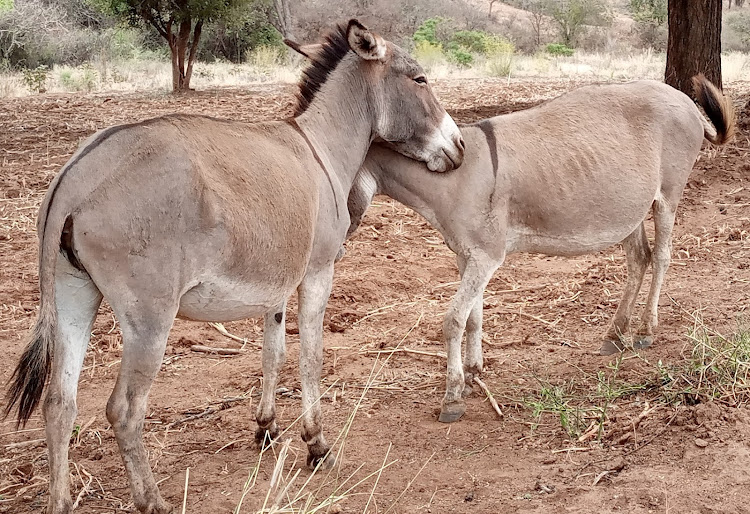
(694, 44)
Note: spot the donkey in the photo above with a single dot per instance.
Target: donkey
(572, 176)
(212, 220)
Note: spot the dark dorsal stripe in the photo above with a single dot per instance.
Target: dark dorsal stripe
(486, 127)
(301, 132)
(335, 46)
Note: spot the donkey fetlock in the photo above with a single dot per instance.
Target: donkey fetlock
(318, 452)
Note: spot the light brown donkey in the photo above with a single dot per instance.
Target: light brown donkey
(214, 220)
(572, 176)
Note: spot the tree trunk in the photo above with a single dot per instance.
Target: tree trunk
(694, 44)
(182, 70)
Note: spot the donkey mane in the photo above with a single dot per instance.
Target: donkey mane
(335, 46)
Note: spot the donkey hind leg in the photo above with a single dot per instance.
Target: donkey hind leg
(274, 355)
(77, 301)
(638, 255)
(314, 291)
(476, 275)
(664, 215)
(144, 335)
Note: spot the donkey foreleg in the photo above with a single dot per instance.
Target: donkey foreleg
(473, 360)
(314, 291)
(475, 277)
(274, 355)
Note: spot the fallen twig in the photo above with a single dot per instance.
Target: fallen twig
(220, 351)
(490, 397)
(223, 331)
(24, 444)
(86, 485)
(439, 355)
(184, 497)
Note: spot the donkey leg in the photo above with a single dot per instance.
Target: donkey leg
(638, 255)
(274, 355)
(664, 215)
(144, 334)
(77, 300)
(473, 359)
(314, 291)
(476, 275)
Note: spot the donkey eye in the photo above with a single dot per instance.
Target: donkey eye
(420, 80)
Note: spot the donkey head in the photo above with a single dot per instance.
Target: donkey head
(405, 113)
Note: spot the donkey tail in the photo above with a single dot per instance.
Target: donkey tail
(718, 107)
(28, 380)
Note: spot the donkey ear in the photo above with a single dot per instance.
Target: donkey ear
(309, 51)
(366, 44)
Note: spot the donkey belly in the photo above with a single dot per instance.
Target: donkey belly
(219, 299)
(524, 240)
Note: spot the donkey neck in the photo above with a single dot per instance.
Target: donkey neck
(339, 124)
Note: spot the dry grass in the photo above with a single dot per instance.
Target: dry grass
(267, 65)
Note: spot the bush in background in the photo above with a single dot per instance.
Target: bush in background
(559, 50)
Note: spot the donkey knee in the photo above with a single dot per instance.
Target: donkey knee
(453, 326)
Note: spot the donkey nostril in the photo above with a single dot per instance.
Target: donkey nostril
(461, 143)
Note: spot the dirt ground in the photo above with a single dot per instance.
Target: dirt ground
(544, 317)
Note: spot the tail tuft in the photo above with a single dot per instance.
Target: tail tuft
(718, 107)
(30, 375)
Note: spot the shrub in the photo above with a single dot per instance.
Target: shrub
(429, 55)
(558, 49)
(265, 58)
(36, 79)
(427, 31)
(83, 78)
(472, 40)
(460, 55)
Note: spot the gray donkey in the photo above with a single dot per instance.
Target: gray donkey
(213, 220)
(571, 176)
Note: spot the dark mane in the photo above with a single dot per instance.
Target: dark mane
(335, 47)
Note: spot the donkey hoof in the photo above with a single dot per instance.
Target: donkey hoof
(643, 341)
(452, 412)
(264, 437)
(324, 462)
(468, 391)
(610, 347)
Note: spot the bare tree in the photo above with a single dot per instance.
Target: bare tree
(694, 44)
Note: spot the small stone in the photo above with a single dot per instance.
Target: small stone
(700, 443)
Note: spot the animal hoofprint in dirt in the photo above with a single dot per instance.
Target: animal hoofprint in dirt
(572, 176)
(208, 219)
